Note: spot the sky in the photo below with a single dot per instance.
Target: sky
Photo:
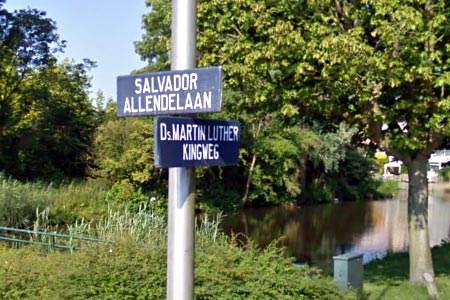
(101, 30)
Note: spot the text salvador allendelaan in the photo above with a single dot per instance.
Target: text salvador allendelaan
(171, 92)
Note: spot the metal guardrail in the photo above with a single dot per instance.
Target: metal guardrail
(15, 235)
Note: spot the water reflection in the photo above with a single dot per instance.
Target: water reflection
(315, 234)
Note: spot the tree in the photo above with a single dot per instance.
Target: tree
(46, 118)
(383, 66)
(124, 155)
(258, 74)
(259, 44)
(28, 41)
(155, 47)
(379, 65)
(51, 124)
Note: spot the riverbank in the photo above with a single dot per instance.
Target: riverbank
(388, 278)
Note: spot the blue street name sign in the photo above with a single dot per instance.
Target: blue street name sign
(189, 142)
(167, 93)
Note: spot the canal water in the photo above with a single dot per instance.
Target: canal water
(314, 234)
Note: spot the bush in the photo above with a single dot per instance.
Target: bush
(228, 272)
(445, 173)
(127, 269)
(388, 188)
(123, 271)
(97, 272)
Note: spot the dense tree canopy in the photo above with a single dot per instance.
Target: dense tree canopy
(256, 43)
(28, 40)
(46, 118)
(382, 66)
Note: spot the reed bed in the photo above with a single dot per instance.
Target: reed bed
(142, 226)
(18, 202)
(82, 209)
(66, 201)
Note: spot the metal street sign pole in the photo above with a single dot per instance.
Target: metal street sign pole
(181, 235)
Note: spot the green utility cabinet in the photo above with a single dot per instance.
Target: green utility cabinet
(348, 271)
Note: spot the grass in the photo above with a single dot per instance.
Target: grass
(388, 279)
(66, 202)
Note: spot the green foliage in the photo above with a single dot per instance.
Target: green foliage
(155, 47)
(105, 108)
(227, 272)
(48, 132)
(388, 278)
(382, 63)
(388, 188)
(261, 47)
(444, 173)
(134, 267)
(20, 202)
(142, 226)
(124, 150)
(52, 124)
(46, 120)
(76, 199)
(282, 152)
(29, 40)
(122, 272)
(214, 197)
(351, 180)
(125, 193)
(99, 272)
(354, 182)
(124, 156)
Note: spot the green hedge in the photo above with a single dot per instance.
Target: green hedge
(124, 272)
(134, 266)
(222, 271)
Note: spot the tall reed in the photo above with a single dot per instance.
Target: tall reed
(18, 202)
(142, 226)
(66, 202)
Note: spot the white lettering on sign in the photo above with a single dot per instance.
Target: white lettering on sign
(167, 102)
(199, 141)
(200, 151)
(163, 93)
(166, 83)
(170, 92)
(198, 133)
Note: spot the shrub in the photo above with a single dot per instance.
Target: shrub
(128, 269)
(388, 188)
(445, 173)
(229, 272)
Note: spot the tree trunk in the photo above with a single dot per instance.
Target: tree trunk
(421, 270)
(252, 168)
(249, 180)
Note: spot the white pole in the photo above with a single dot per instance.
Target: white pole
(181, 235)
